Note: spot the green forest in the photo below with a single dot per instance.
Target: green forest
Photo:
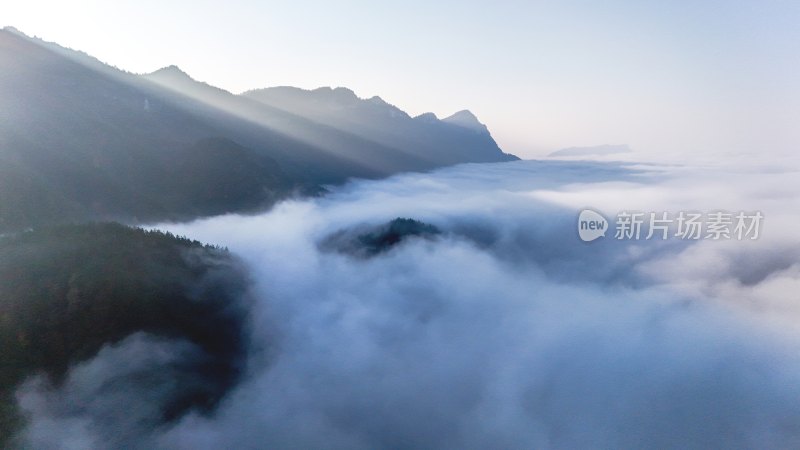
(67, 291)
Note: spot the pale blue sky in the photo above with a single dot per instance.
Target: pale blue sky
(666, 77)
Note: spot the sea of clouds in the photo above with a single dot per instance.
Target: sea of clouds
(506, 331)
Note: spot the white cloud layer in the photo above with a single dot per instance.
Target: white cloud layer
(508, 331)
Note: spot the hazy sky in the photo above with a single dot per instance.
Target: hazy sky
(666, 77)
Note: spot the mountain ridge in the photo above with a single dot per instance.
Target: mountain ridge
(82, 140)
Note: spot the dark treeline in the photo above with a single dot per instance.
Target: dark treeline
(67, 291)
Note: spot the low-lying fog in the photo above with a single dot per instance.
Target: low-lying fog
(504, 330)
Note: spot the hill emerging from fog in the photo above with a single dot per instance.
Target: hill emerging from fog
(80, 140)
(368, 241)
(66, 292)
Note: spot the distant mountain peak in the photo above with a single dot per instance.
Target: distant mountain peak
(172, 77)
(377, 100)
(344, 90)
(427, 117)
(171, 70)
(323, 100)
(466, 119)
(335, 94)
(465, 115)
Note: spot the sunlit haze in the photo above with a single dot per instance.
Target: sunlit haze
(667, 78)
(400, 225)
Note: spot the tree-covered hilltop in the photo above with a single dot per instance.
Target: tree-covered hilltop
(368, 241)
(67, 291)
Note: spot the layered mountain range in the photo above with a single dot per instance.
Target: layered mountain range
(81, 140)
